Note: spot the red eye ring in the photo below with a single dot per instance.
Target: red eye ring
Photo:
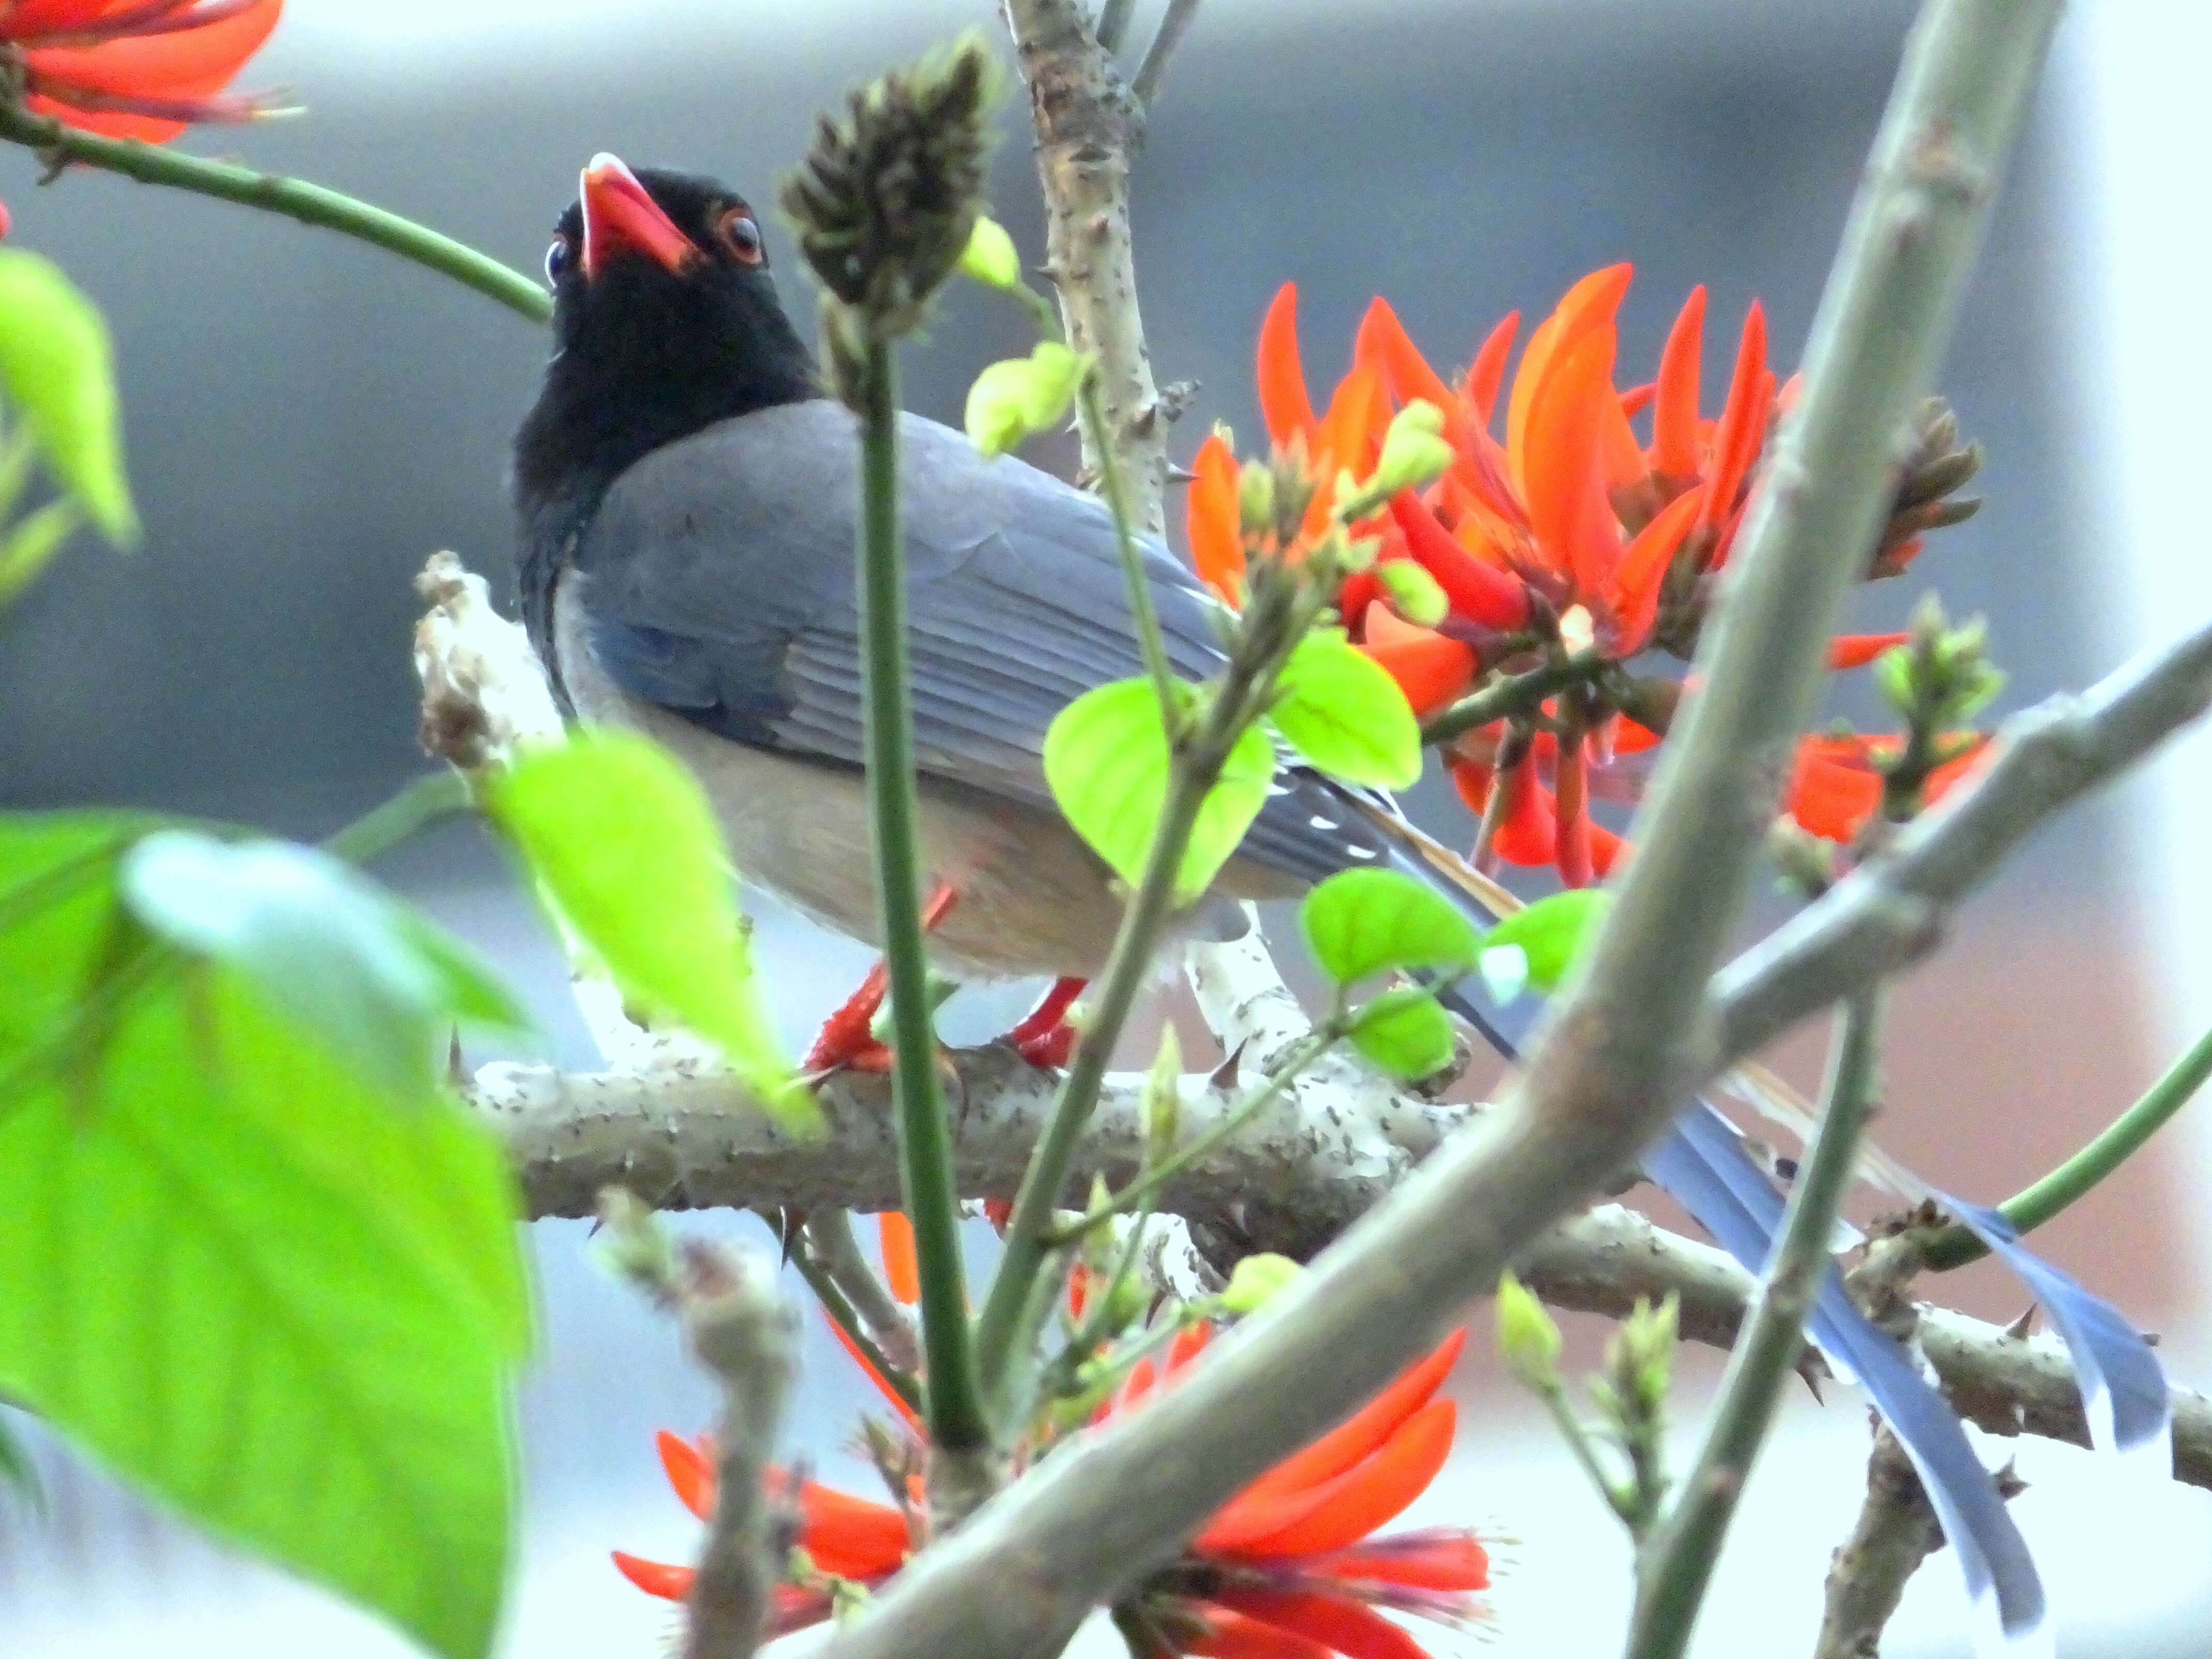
(740, 233)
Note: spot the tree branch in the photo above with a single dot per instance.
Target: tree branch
(1087, 128)
(1896, 1532)
(1176, 19)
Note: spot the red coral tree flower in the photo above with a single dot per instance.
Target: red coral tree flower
(135, 69)
(1288, 1569)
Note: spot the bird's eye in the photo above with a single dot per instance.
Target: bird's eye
(557, 258)
(741, 234)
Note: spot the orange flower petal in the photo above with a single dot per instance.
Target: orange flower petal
(1340, 1625)
(1379, 625)
(1560, 468)
(1365, 1497)
(901, 1266)
(1829, 796)
(1472, 779)
(1365, 1430)
(891, 1396)
(1590, 303)
(1526, 832)
(181, 64)
(1743, 423)
(1432, 671)
(1487, 372)
(850, 1536)
(671, 1584)
(1283, 404)
(1139, 1384)
(1857, 650)
(1232, 1636)
(1213, 525)
(1189, 1342)
(1349, 436)
(1605, 848)
(1439, 1561)
(690, 1471)
(1473, 588)
(1675, 413)
(1630, 737)
(1637, 577)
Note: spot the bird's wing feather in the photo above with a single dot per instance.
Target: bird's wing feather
(722, 586)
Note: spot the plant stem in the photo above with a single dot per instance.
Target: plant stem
(420, 802)
(1155, 65)
(1518, 694)
(839, 1309)
(311, 204)
(1142, 615)
(1150, 1181)
(956, 1411)
(2032, 1205)
(1678, 1563)
(1576, 1434)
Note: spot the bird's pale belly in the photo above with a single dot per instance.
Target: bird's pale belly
(1033, 900)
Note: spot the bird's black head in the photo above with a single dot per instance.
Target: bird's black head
(665, 321)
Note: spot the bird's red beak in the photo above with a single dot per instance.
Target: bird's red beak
(619, 216)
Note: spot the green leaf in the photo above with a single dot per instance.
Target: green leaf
(1107, 761)
(1340, 709)
(1552, 933)
(1406, 1032)
(1014, 399)
(26, 547)
(57, 367)
(322, 946)
(1363, 921)
(18, 1473)
(624, 846)
(990, 257)
(233, 1271)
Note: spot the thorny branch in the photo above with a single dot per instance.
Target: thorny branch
(1896, 1531)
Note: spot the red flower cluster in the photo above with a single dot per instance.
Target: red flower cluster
(1570, 534)
(1286, 1569)
(135, 69)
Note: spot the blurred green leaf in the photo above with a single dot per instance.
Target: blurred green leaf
(17, 1472)
(233, 1271)
(625, 848)
(1014, 399)
(1552, 933)
(57, 367)
(25, 548)
(1406, 1032)
(1107, 761)
(1339, 708)
(1363, 921)
(322, 946)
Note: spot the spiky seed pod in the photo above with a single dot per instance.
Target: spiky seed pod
(884, 203)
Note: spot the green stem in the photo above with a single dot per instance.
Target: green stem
(311, 204)
(956, 1411)
(1150, 1181)
(1576, 1434)
(1677, 1565)
(1142, 615)
(1518, 694)
(841, 1310)
(420, 802)
(2032, 1205)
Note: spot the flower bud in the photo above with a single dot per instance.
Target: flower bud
(1413, 594)
(1414, 452)
(1257, 1281)
(1528, 1340)
(1020, 397)
(989, 256)
(1255, 497)
(1163, 1100)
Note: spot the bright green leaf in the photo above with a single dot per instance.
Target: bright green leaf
(321, 945)
(57, 367)
(989, 256)
(233, 1271)
(26, 547)
(18, 1473)
(1552, 933)
(1106, 759)
(1363, 921)
(1340, 709)
(1014, 399)
(625, 848)
(1406, 1032)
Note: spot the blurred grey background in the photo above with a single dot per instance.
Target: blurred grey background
(307, 419)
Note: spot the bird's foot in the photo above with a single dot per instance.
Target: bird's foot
(1044, 1037)
(848, 1040)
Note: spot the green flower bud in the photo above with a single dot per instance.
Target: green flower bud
(1414, 452)
(1163, 1100)
(1255, 497)
(1412, 592)
(1020, 397)
(1258, 1280)
(989, 256)
(1527, 1338)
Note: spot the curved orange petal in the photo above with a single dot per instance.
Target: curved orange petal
(1432, 671)
(1349, 436)
(1487, 372)
(1633, 592)
(690, 1471)
(901, 1266)
(1383, 344)
(1675, 410)
(1590, 303)
(1365, 1430)
(671, 1584)
(1857, 650)
(850, 1536)
(1438, 1561)
(1560, 465)
(1365, 1496)
(184, 63)
(1743, 423)
(1189, 1342)
(1605, 848)
(1138, 1384)
(1638, 398)
(1213, 524)
(1341, 1626)
(1830, 797)
(1625, 466)
(1283, 404)
(1472, 779)
(1526, 834)
(891, 1396)
(1633, 738)
(1231, 1636)
(1474, 589)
